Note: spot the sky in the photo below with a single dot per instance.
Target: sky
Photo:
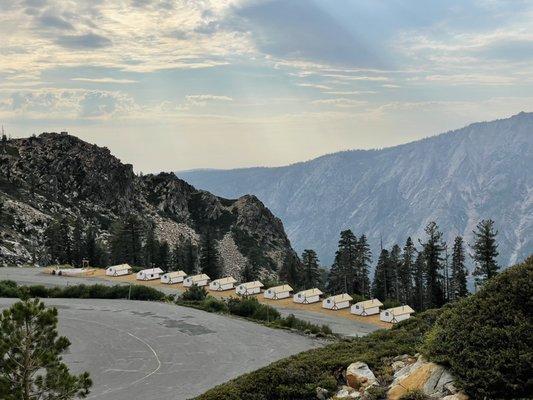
(183, 84)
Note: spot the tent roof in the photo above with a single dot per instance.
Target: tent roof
(281, 289)
(175, 274)
(225, 281)
(252, 285)
(311, 292)
(370, 303)
(401, 310)
(152, 271)
(120, 267)
(199, 277)
(340, 297)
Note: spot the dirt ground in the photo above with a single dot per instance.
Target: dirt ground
(283, 303)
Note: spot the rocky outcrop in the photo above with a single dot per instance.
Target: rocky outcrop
(412, 374)
(54, 175)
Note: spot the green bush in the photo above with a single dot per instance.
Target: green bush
(212, 304)
(194, 293)
(486, 339)
(136, 292)
(297, 377)
(249, 307)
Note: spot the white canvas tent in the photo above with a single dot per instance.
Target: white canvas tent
(149, 274)
(118, 270)
(367, 307)
(396, 314)
(307, 296)
(222, 284)
(337, 302)
(198, 280)
(248, 288)
(173, 277)
(278, 292)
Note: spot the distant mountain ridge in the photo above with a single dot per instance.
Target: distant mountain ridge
(53, 175)
(483, 170)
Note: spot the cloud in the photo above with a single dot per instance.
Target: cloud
(314, 86)
(85, 41)
(201, 100)
(339, 102)
(104, 80)
(52, 21)
(66, 104)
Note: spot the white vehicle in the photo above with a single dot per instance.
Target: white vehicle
(337, 302)
(222, 284)
(118, 270)
(198, 280)
(149, 274)
(307, 296)
(278, 292)
(247, 288)
(396, 314)
(173, 277)
(367, 307)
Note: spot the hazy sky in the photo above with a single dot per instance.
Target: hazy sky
(171, 85)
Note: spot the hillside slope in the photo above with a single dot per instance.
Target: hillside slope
(457, 178)
(53, 175)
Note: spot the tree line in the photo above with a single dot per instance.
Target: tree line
(423, 276)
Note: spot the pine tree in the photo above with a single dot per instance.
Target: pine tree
(250, 272)
(485, 251)
(405, 272)
(163, 256)
(151, 248)
(30, 356)
(58, 242)
(343, 273)
(459, 273)
(186, 255)
(290, 271)
(126, 241)
(433, 250)
(393, 282)
(209, 258)
(78, 248)
(380, 288)
(419, 278)
(95, 252)
(364, 258)
(311, 276)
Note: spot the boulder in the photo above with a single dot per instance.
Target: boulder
(322, 394)
(346, 392)
(358, 376)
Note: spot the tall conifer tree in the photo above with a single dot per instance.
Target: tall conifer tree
(485, 250)
(459, 273)
(433, 250)
(209, 257)
(405, 271)
(311, 276)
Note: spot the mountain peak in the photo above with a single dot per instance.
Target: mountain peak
(456, 178)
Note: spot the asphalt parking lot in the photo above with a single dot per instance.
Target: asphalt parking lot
(157, 351)
(35, 276)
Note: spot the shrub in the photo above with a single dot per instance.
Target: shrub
(194, 293)
(297, 377)
(9, 289)
(211, 304)
(249, 307)
(486, 339)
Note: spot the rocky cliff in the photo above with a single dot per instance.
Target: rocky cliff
(54, 175)
(456, 179)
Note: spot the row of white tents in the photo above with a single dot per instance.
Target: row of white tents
(309, 296)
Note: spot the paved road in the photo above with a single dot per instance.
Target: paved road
(34, 276)
(341, 326)
(156, 351)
